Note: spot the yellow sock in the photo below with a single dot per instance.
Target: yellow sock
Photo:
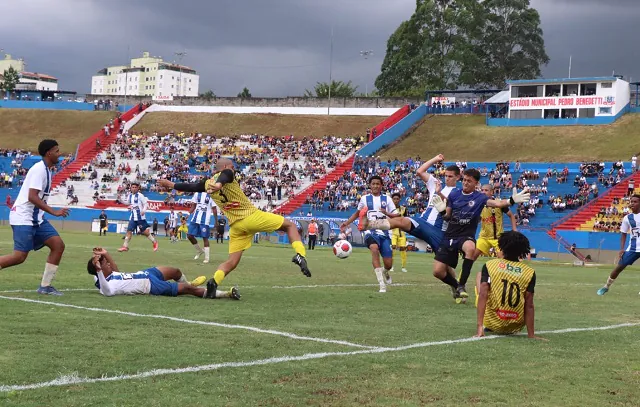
(403, 257)
(299, 248)
(219, 276)
(477, 295)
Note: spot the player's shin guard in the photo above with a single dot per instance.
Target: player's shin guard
(218, 276)
(298, 246)
(467, 264)
(449, 280)
(49, 274)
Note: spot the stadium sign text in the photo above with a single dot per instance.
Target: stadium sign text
(562, 102)
(165, 97)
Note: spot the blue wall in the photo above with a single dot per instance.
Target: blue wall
(592, 240)
(591, 121)
(58, 105)
(395, 132)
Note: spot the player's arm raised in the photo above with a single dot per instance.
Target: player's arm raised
(423, 170)
(105, 289)
(183, 186)
(99, 251)
(42, 205)
(516, 198)
(514, 223)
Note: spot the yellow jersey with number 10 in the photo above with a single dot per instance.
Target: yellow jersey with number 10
(231, 199)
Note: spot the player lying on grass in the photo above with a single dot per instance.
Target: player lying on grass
(152, 281)
(506, 286)
(630, 225)
(245, 220)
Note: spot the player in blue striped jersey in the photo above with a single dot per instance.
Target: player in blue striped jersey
(630, 226)
(374, 206)
(202, 207)
(138, 205)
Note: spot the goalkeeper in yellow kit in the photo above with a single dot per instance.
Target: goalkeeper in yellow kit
(245, 220)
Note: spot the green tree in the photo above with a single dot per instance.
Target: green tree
(339, 89)
(510, 46)
(208, 95)
(245, 93)
(11, 79)
(449, 43)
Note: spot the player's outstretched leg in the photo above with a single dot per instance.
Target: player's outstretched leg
(612, 277)
(298, 246)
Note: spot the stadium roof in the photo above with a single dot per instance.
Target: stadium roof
(559, 80)
(38, 75)
(500, 98)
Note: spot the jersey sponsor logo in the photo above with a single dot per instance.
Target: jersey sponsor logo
(231, 205)
(490, 219)
(506, 314)
(509, 267)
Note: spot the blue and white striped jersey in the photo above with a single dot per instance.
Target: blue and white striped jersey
(374, 204)
(431, 215)
(631, 226)
(137, 206)
(204, 209)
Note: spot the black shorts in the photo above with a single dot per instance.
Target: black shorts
(220, 231)
(450, 249)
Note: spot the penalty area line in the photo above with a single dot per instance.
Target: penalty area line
(75, 379)
(195, 322)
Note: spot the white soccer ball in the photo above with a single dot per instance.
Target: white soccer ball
(342, 249)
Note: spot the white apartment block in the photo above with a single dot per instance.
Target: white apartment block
(146, 76)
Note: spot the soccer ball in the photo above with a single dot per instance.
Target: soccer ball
(342, 249)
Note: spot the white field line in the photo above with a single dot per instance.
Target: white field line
(74, 379)
(286, 287)
(195, 322)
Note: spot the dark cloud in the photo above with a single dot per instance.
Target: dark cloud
(280, 47)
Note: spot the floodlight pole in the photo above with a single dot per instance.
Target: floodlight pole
(366, 55)
(330, 72)
(180, 55)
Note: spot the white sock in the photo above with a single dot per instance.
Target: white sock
(223, 294)
(49, 274)
(126, 242)
(152, 238)
(610, 281)
(379, 275)
(206, 253)
(183, 279)
(197, 247)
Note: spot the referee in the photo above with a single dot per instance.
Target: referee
(222, 222)
(103, 223)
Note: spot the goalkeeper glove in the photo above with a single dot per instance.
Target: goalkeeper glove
(519, 197)
(439, 204)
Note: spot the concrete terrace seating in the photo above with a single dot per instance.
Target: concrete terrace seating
(544, 215)
(261, 161)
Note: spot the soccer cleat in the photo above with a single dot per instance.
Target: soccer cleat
(454, 293)
(198, 281)
(404, 270)
(123, 249)
(462, 295)
(155, 246)
(197, 256)
(205, 261)
(363, 222)
(391, 270)
(48, 290)
(212, 288)
(234, 293)
(302, 262)
(603, 291)
(387, 277)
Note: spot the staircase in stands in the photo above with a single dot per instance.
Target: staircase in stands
(298, 200)
(582, 215)
(88, 150)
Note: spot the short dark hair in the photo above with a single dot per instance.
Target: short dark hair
(46, 145)
(472, 172)
(373, 177)
(135, 183)
(396, 194)
(91, 268)
(514, 245)
(635, 196)
(453, 168)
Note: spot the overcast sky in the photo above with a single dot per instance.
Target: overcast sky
(281, 47)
